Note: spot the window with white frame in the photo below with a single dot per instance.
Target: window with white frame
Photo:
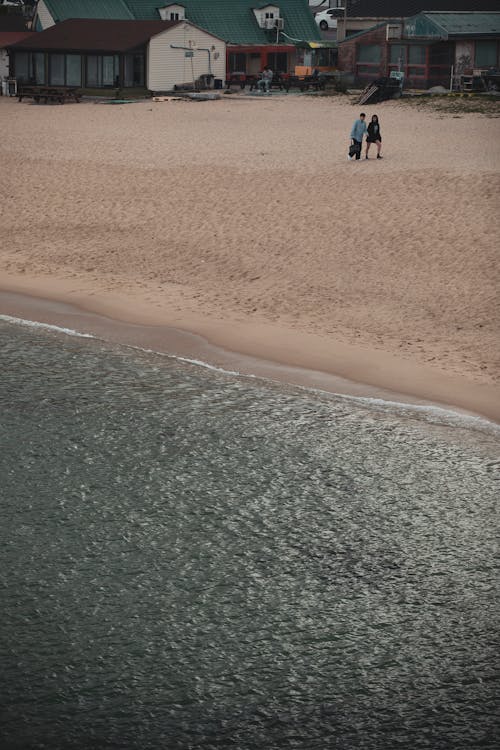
(266, 16)
(172, 12)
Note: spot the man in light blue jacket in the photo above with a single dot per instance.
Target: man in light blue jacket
(357, 132)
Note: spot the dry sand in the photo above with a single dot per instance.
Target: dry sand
(242, 221)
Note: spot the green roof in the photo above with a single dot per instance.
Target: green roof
(231, 20)
(363, 32)
(470, 24)
(234, 20)
(61, 10)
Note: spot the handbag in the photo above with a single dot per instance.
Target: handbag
(354, 149)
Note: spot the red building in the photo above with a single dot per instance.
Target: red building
(429, 48)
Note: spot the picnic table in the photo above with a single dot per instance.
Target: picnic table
(304, 83)
(278, 82)
(59, 94)
(236, 78)
(282, 81)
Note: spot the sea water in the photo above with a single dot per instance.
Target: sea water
(195, 560)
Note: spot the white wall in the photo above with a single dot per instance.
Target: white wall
(4, 64)
(168, 9)
(168, 67)
(44, 16)
(260, 14)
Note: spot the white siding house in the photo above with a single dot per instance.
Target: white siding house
(104, 53)
(4, 64)
(181, 55)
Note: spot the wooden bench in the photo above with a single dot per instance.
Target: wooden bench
(236, 79)
(278, 82)
(304, 83)
(242, 80)
(59, 94)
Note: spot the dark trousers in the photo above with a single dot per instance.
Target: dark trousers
(358, 149)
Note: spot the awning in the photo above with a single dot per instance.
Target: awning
(317, 45)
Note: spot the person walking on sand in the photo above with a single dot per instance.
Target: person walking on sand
(357, 132)
(374, 136)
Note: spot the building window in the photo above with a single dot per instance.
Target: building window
(278, 62)
(134, 70)
(30, 67)
(325, 58)
(237, 62)
(416, 54)
(369, 53)
(368, 60)
(174, 16)
(441, 54)
(56, 70)
(38, 68)
(398, 54)
(64, 70)
(486, 54)
(102, 70)
(73, 70)
(21, 66)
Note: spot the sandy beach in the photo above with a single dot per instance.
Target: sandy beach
(236, 231)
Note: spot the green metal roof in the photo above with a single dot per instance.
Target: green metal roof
(363, 32)
(61, 10)
(231, 20)
(234, 20)
(472, 24)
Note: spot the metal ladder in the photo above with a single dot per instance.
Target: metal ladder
(367, 94)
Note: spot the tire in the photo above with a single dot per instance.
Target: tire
(323, 25)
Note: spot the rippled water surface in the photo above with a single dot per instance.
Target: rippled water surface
(189, 560)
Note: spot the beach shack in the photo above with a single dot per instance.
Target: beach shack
(430, 49)
(101, 54)
(256, 33)
(361, 15)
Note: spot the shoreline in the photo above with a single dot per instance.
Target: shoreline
(240, 236)
(263, 350)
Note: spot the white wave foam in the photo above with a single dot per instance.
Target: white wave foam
(429, 410)
(198, 363)
(48, 326)
(440, 413)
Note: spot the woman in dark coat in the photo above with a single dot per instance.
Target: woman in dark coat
(374, 136)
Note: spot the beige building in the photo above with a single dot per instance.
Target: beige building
(184, 54)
